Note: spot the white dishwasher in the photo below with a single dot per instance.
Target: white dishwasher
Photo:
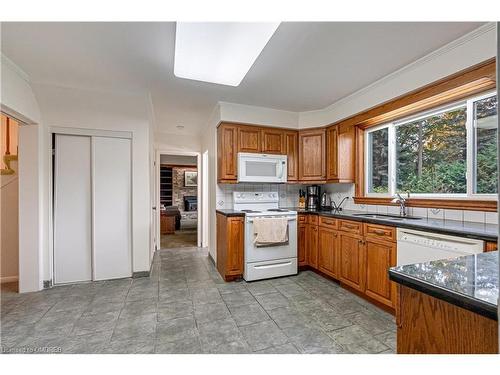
(419, 247)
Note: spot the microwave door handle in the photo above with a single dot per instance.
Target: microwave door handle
(281, 169)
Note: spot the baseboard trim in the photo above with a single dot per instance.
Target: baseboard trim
(136, 275)
(8, 279)
(211, 259)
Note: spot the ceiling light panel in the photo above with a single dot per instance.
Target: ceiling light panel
(219, 52)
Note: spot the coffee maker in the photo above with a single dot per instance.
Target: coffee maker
(312, 201)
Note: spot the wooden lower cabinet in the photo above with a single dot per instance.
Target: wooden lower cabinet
(352, 260)
(301, 244)
(327, 251)
(312, 245)
(230, 246)
(380, 255)
(427, 325)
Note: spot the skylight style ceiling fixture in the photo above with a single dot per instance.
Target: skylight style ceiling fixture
(219, 52)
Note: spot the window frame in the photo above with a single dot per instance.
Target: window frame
(468, 104)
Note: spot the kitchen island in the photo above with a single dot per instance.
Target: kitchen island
(448, 306)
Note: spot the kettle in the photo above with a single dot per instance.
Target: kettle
(325, 200)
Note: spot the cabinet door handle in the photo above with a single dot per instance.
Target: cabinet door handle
(379, 232)
(350, 226)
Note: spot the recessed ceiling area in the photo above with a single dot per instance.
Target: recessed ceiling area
(304, 66)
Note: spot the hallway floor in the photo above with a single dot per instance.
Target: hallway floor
(180, 239)
(185, 307)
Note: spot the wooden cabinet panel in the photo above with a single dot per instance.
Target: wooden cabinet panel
(327, 253)
(230, 246)
(328, 222)
(227, 152)
(292, 151)
(341, 153)
(312, 155)
(427, 325)
(301, 244)
(380, 232)
(351, 252)
(490, 246)
(332, 153)
(313, 219)
(380, 255)
(273, 141)
(249, 139)
(354, 227)
(312, 245)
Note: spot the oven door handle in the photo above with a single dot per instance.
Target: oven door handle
(273, 265)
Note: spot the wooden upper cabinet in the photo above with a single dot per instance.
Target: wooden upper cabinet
(292, 151)
(227, 153)
(273, 141)
(249, 139)
(340, 153)
(312, 155)
(332, 153)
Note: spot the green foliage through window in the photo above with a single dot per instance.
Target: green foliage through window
(429, 154)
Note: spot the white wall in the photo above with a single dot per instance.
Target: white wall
(99, 110)
(178, 159)
(18, 100)
(210, 146)
(248, 114)
(177, 142)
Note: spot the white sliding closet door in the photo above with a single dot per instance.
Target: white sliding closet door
(72, 209)
(111, 183)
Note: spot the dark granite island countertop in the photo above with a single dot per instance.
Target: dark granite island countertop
(470, 282)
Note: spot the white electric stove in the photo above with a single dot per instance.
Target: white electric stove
(264, 262)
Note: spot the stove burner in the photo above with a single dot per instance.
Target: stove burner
(250, 211)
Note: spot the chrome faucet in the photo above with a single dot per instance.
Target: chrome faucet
(402, 203)
(338, 207)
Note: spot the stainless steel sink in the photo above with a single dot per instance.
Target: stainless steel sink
(388, 217)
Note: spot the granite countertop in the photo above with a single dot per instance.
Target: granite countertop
(229, 212)
(487, 232)
(470, 282)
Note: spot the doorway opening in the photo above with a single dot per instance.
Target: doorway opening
(178, 195)
(9, 205)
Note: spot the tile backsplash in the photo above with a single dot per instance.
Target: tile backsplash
(289, 195)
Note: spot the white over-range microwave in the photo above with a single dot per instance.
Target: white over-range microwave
(262, 168)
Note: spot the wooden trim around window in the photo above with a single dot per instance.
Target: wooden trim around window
(464, 84)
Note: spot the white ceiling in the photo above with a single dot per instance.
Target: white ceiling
(305, 65)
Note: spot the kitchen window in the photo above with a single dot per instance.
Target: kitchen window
(446, 152)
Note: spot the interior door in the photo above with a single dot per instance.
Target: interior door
(72, 209)
(111, 167)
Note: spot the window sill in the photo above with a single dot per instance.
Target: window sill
(452, 204)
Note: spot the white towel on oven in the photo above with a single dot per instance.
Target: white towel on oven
(270, 230)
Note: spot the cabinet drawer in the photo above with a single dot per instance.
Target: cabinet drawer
(328, 222)
(351, 226)
(312, 219)
(380, 231)
(302, 219)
